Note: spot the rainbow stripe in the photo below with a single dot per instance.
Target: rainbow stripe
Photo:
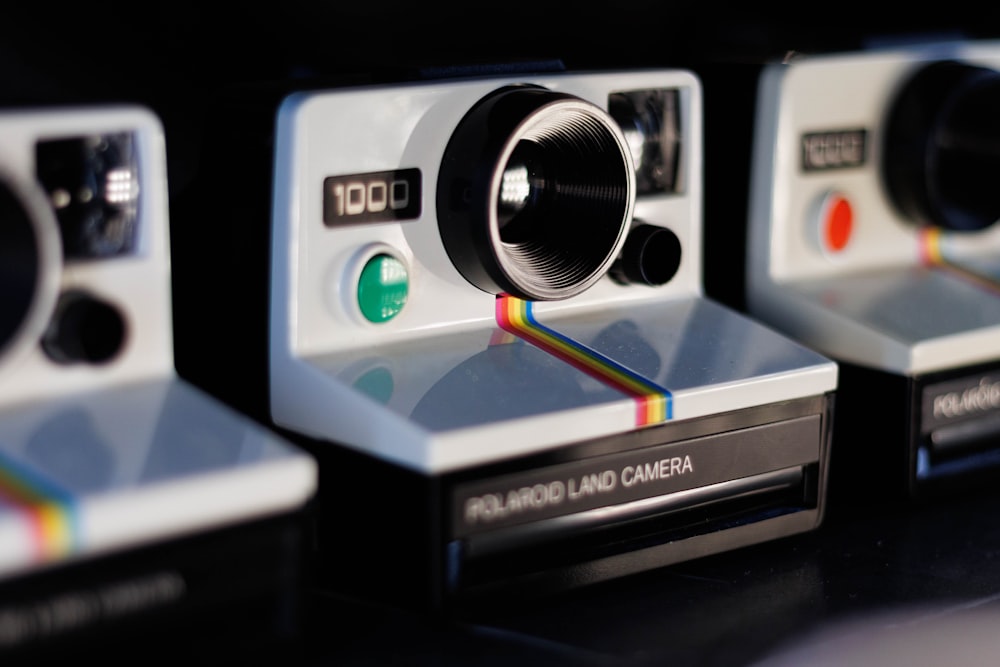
(930, 246)
(50, 511)
(654, 404)
(932, 255)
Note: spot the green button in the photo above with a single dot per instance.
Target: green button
(382, 288)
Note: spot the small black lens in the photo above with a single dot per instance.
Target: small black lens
(84, 330)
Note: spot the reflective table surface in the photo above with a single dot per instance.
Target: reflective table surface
(869, 582)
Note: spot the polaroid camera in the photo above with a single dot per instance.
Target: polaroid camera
(487, 318)
(131, 503)
(872, 240)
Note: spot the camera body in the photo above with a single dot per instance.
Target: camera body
(871, 239)
(121, 482)
(487, 319)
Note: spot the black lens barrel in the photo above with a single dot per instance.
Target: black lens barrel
(30, 258)
(535, 193)
(942, 147)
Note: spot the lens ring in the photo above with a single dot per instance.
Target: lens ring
(30, 265)
(552, 192)
(939, 166)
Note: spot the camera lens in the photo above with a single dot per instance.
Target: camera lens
(30, 254)
(535, 194)
(522, 193)
(942, 147)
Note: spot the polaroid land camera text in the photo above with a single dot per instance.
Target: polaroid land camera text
(489, 288)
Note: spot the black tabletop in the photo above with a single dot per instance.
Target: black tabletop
(884, 578)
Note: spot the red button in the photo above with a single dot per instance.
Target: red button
(836, 222)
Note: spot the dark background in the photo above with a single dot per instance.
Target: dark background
(916, 579)
(177, 57)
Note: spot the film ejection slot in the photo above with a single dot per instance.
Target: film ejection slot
(714, 496)
(572, 511)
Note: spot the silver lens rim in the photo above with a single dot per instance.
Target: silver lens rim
(562, 120)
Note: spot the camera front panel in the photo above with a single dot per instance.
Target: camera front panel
(870, 237)
(91, 183)
(357, 190)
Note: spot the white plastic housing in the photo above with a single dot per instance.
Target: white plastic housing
(136, 284)
(442, 386)
(874, 303)
(100, 457)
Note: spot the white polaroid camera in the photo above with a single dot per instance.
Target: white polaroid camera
(125, 493)
(872, 240)
(488, 291)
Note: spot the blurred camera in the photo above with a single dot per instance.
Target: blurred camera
(488, 291)
(121, 483)
(872, 240)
